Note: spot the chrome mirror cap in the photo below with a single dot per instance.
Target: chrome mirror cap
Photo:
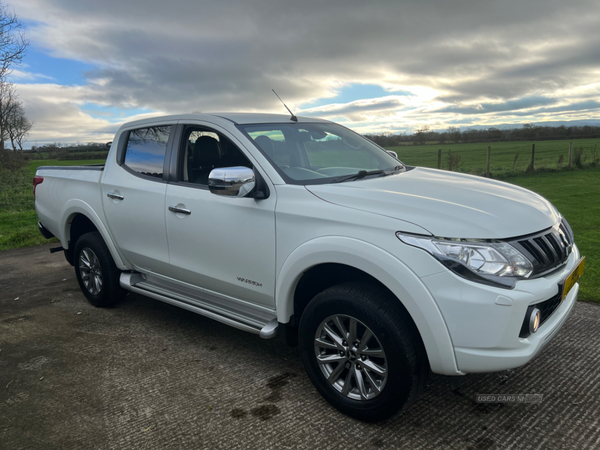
(231, 181)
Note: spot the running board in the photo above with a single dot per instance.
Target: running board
(129, 281)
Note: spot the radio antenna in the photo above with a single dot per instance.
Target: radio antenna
(294, 118)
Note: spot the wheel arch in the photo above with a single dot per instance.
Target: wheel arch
(347, 259)
(79, 218)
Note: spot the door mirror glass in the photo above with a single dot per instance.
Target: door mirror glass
(231, 181)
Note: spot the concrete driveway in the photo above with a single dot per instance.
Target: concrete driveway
(149, 375)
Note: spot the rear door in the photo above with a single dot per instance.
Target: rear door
(133, 196)
(225, 245)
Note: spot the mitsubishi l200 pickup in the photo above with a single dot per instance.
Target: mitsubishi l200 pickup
(300, 228)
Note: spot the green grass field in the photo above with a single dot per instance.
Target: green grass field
(474, 156)
(18, 220)
(575, 193)
(577, 196)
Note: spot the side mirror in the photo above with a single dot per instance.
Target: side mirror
(231, 181)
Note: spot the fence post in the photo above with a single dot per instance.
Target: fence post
(487, 172)
(440, 158)
(570, 154)
(532, 156)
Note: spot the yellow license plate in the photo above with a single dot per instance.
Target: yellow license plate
(573, 277)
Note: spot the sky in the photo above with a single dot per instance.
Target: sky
(376, 67)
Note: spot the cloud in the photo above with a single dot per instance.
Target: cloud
(357, 106)
(58, 117)
(570, 108)
(456, 58)
(21, 75)
(511, 105)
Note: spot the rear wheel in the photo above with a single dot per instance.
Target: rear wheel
(362, 351)
(96, 272)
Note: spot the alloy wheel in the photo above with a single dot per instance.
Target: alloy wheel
(91, 271)
(351, 357)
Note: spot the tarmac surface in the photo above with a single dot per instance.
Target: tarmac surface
(149, 375)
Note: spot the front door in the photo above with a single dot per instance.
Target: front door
(224, 244)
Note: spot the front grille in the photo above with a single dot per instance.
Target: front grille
(546, 308)
(547, 250)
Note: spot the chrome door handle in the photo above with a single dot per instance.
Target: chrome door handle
(115, 196)
(177, 210)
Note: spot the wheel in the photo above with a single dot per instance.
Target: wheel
(362, 351)
(96, 272)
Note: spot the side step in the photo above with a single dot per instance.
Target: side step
(129, 280)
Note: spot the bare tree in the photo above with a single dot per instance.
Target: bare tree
(14, 125)
(421, 134)
(18, 126)
(8, 102)
(454, 134)
(12, 41)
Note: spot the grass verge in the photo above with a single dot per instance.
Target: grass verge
(18, 219)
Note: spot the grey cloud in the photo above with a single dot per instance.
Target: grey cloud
(355, 107)
(572, 107)
(187, 55)
(511, 105)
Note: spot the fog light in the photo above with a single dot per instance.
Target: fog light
(534, 320)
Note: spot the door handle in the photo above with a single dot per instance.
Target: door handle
(177, 210)
(115, 196)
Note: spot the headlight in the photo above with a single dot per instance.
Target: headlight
(490, 262)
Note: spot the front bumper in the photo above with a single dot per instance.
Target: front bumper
(484, 322)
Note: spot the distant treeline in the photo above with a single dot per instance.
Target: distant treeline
(68, 148)
(527, 132)
(91, 150)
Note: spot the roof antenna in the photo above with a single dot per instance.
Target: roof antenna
(294, 118)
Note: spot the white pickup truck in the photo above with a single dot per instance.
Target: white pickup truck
(302, 229)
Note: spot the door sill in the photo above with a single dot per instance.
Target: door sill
(137, 283)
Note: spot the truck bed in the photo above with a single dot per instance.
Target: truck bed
(55, 200)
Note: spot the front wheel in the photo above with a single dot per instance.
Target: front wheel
(362, 351)
(96, 272)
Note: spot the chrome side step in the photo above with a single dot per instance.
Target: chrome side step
(134, 282)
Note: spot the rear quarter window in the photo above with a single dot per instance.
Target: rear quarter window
(146, 149)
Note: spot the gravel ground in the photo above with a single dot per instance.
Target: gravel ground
(149, 375)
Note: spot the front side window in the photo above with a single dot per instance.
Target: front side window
(205, 150)
(318, 153)
(146, 149)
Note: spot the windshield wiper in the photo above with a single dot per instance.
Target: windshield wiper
(365, 173)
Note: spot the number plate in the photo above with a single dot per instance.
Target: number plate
(573, 277)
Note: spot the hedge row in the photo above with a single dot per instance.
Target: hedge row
(82, 155)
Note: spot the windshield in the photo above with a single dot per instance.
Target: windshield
(318, 153)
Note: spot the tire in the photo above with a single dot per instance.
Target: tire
(391, 363)
(69, 256)
(96, 272)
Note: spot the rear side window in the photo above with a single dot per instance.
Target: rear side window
(146, 148)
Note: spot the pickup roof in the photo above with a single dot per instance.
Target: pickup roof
(302, 229)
